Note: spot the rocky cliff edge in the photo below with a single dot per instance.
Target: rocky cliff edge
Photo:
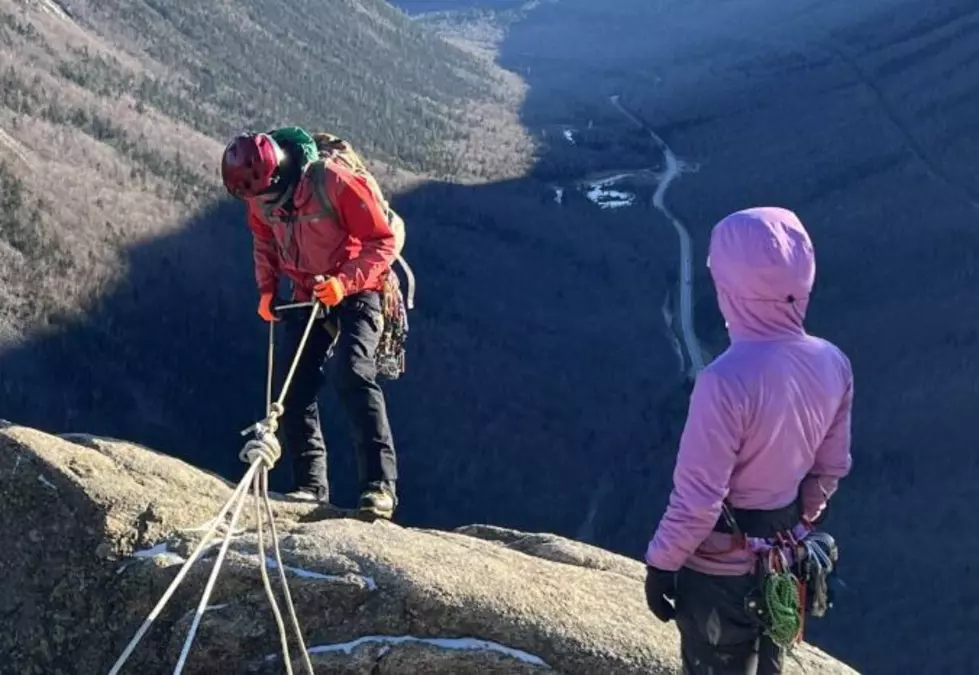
(94, 530)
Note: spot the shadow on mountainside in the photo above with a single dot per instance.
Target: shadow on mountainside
(542, 391)
(534, 358)
(540, 373)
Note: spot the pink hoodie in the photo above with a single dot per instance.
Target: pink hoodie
(769, 414)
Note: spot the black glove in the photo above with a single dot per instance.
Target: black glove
(660, 592)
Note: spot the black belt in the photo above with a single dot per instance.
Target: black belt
(758, 522)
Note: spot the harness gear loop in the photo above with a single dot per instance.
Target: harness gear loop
(792, 566)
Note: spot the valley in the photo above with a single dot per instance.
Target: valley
(848, 116)
(559, 186)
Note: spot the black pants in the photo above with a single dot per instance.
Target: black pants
(353, 373)
(717, 635)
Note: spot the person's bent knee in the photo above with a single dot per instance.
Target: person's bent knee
(354, 373)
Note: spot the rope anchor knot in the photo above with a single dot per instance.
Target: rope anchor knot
(264, 448)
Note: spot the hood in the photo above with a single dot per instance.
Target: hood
(763, 266)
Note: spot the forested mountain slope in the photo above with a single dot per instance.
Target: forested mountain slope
(543, 389)
(126, 294)
(112, 116)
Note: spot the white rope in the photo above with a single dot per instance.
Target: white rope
(268, 377)
(282, 577)
(265, 448)
(261, 453)
(313, 315)
(219, 519)
(283, 639)
(258, 475)
(275, 410)
(199, 614)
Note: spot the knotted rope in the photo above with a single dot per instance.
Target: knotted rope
(260, 453)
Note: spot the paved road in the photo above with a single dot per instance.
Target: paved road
(685, 281)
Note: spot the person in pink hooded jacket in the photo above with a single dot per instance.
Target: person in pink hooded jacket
(767, 435)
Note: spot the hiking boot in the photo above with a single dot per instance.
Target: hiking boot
(301, 495)
(379, 499)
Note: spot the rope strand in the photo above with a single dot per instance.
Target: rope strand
(261, 453)
(282, 577)
(259, 515)
(205, 540)
(212, 580)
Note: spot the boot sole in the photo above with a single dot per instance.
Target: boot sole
(374, 514)
(330, 512)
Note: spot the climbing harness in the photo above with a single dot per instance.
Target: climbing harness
(260, 453)
(389, 357)
(793, 568)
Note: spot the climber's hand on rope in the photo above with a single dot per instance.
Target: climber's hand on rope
(660, 593)
(329, 291)
(265, 309)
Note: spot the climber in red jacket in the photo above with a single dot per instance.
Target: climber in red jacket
(347, 240)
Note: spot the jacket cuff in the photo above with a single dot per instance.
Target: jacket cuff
(349, 287)
(660, 559)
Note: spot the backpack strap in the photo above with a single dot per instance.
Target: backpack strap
(317, 173)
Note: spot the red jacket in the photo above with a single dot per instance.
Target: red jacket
(352, 241)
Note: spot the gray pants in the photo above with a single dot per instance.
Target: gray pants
(717, 635)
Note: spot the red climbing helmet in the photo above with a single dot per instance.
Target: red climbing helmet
(250, 164)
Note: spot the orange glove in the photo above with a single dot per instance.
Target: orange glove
(330, 292)
(265, 307)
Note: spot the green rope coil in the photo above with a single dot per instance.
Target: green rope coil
(782, 602)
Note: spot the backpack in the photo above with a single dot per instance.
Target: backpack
(334, 148)
(390, 353)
